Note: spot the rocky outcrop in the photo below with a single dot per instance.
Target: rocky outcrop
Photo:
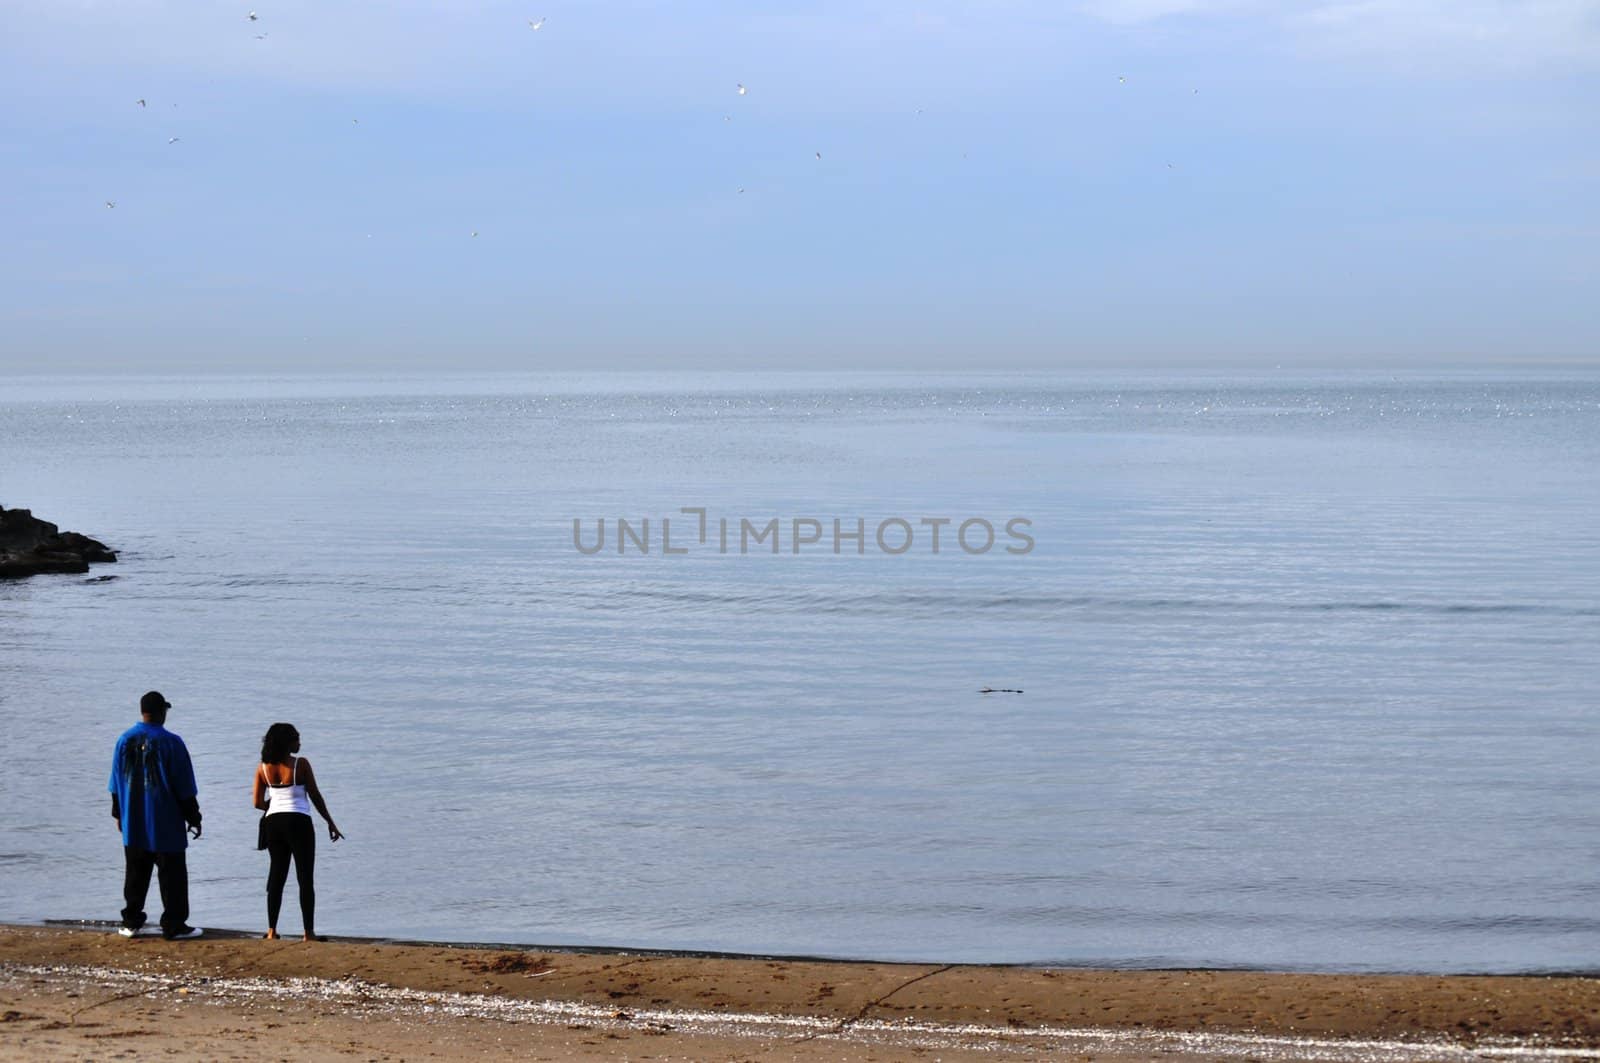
(29, 546)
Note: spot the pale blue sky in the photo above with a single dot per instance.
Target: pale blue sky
(1404, 182)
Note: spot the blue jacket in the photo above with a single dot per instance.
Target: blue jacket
(153, 789)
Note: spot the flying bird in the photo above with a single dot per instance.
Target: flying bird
(474, 232)
(741, 191)
(141, 103)
(819, 154)
(111, 205)
(1121, 80)
(173, 140)
(539, 25)
(251, 16)
(742, 89)
(261, 36)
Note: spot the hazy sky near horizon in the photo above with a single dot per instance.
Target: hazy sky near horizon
(1188, 182)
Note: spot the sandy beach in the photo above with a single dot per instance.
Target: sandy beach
(88, 994)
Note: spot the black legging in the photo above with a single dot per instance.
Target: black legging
(291, 834)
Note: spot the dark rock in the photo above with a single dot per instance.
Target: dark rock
(30, 546)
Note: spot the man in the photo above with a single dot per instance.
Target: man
(153, 799)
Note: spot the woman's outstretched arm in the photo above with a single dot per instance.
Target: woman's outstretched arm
(309, 778)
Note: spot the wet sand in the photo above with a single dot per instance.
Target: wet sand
(87, 993)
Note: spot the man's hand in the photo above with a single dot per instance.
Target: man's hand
(191, 814)
(194, 832)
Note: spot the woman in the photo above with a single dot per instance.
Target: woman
(285, 789)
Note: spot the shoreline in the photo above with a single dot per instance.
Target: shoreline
(229, 934)
(394, 999)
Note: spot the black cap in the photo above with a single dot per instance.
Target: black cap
(153, 703)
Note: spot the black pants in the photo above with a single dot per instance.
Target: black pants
(173, 873)
(291, 834)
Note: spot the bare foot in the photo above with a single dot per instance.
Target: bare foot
(271, 935)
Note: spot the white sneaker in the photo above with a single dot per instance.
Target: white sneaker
(146, 931)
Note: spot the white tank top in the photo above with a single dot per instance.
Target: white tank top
(291, 798)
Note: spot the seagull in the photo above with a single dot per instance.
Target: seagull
(742, 89)
(355, 121)
(251, 16)
(727, 118)
(819, 154)
(261, 36)
(741, 191)
(474, 232)
(111, 205)
(141, 103)
(173, 140)
(1121, 80)
(539, 25)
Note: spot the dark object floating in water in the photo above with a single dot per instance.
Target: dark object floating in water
(999, 690)
(30, 546)
(99, 579)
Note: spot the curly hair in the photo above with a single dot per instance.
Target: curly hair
(278, 742)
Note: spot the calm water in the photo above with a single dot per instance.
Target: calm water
(1311, 664)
